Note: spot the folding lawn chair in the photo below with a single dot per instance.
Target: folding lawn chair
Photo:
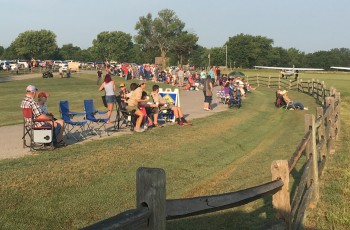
(67, 117)
(40, 138)
(123, 116)
(91, 119)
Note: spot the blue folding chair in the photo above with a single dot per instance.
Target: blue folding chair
(90, 117)
(67, 117)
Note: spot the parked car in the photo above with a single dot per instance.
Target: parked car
(65, 67)
(57, 62)
(90, 64)
(4, 65)
(13, 65)
(22, 64)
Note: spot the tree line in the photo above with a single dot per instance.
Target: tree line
(165, 36)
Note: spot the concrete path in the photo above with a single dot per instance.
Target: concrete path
(11, 145)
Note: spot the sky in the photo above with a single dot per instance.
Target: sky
(307, 25)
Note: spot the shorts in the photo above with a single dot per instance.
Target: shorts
(207, 99)
(110, 99)
(131, 108)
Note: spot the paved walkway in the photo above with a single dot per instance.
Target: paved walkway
(11, 136)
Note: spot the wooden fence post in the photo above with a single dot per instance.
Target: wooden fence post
(307, 127)
(330, 125)
(281, 199)
(337, 111)
(257, 80)
(310, 119)
(268, 85)
(150, 191)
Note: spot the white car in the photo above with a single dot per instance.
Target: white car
(22, 64)
(57, 62)
(13, 65)
(65, 67)
(4, 65)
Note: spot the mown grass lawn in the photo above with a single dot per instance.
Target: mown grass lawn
(232, 150)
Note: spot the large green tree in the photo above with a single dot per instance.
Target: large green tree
(183, 46)
(70, 52)
(247, 50)
(161, 32)
(35, 44)
(113, 45)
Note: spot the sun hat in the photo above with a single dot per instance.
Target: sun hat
(31, 88)
(283, 92)
(122, 85)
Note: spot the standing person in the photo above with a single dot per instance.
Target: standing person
(109, 87)
(60, 71)
(99, 76)
(29, 102)
(212, 75)
(203, 76)
(181, 76)
(208, 93)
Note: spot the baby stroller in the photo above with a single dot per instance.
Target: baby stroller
(235, 97)
(47, 74)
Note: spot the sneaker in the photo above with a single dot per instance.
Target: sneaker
(139, 130)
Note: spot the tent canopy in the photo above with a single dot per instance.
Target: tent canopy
(236, 74)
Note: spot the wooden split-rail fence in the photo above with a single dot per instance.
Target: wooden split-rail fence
(321, 131)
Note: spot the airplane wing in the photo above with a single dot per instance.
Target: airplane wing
(288, 68)
(270, 67)
(308, 69)
(341, 68)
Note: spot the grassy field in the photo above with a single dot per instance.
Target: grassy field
(76, 186)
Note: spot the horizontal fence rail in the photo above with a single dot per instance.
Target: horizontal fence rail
(200, 205)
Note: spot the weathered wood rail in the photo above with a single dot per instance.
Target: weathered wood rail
(321, 131)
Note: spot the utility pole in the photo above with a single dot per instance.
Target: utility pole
(209, 59)
(226, 56)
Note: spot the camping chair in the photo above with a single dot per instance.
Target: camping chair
(40, 138)
(91, 119)
(123, 116)
(67, 117)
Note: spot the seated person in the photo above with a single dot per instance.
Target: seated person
(227, 88)
(123, 94)
(42, 99)
(147, 109)
(159, 101)
(235, 95)
(279, 99)
(133, 103)
(29, 102)
(191, 84)
(291, 104)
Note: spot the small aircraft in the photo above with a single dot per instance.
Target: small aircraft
(289, 71)
(340, 68)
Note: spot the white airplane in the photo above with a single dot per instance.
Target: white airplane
(340, 68)
(289, 71)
